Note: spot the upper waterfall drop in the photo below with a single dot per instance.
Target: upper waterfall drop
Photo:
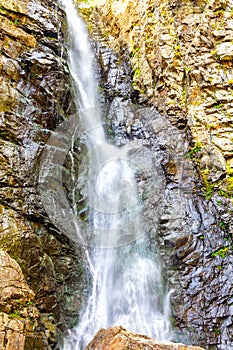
(127, 287)
(81, 58)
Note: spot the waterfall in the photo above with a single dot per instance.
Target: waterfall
(127, 287)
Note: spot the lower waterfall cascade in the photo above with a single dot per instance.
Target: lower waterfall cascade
(127, 285)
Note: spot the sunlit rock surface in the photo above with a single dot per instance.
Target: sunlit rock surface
(19, 317)
(118, 338)
(181, 53)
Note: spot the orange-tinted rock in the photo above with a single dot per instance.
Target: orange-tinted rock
(118, 338)
(13, 288)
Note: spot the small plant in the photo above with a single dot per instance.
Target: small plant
(223, 193)
(183, 97)
(222, 225)
(217, 331)
(201, 237)
(195, 149)
(222, 252)
(219, 13)
(187, 69)
(218, 105)
(16, 22)
(229, 170)
(208, 190)
(137, 72)
(14, 314)
(213, 52)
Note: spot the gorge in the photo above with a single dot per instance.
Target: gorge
(181, 165)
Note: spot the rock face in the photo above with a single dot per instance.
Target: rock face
(13, 288)
(194, 234)
(35, 97)
(118, 338)
(18, 317)
(181, 54)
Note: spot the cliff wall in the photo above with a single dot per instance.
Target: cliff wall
(35, 97)
(181, 54)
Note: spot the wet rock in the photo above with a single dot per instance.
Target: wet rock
(118, 338)
(184, 227)
(35, 97)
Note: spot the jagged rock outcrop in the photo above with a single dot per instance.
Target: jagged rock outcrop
(181, 53)
(118, 338)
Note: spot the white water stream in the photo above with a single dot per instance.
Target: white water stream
(127, 286)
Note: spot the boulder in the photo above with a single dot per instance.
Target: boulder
(118, 338)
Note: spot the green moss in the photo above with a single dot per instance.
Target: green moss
(134, 51)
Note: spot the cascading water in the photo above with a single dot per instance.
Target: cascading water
(127, 286)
